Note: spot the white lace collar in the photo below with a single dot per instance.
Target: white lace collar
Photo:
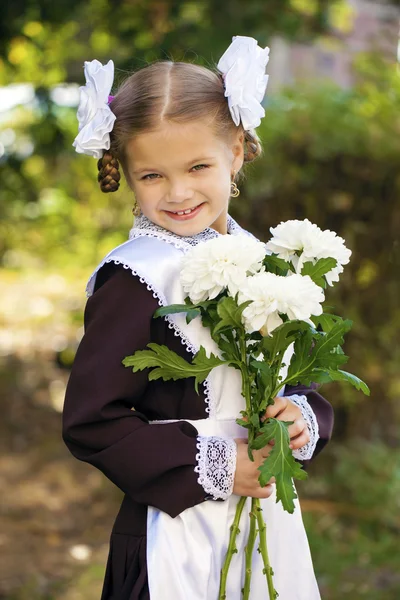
(144, 227)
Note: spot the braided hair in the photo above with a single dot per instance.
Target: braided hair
(109, 175)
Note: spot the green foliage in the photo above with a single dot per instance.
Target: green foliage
(317, 356)
(325, 321)
(166, 364)
(318, 270)
(191, 313)
(340, 375)
(319, 362)
(230, 314)
(351, 513)
(280, 462)
(282, 337)
(48, 41)
(276, 265)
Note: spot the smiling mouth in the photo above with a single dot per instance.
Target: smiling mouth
(185, 215)
(183, 212)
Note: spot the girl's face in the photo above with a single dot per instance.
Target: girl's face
(180, 168)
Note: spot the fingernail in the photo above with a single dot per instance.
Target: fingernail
(291, 446)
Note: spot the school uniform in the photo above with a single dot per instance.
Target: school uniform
(170, 534)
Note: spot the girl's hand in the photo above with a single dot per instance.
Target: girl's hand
(285, 410)
(246, 476)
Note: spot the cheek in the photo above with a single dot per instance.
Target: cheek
(147, 194)
(221, 182)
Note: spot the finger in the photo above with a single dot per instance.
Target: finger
(240, 441)
(261, 455)
(300, 440)
(297, 428)
(265, 491)
(280, 403)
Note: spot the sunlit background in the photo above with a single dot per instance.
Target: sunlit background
(331, 141)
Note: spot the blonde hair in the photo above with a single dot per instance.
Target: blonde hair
(172, 91)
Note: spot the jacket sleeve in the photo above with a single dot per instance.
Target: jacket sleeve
(322, 409)
(153, 464)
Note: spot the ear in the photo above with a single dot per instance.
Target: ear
(238, 152)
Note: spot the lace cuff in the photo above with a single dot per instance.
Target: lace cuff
(306, 452)
(216, 465)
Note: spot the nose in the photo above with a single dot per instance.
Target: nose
(179, 191)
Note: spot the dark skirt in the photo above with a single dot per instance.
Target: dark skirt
(126, 570)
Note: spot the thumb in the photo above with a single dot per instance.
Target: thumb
(241, 441)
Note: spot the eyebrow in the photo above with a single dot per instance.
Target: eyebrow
(191, 162)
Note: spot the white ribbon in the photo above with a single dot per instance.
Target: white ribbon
(243, 68)
(95, 117)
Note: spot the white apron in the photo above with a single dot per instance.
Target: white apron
(185, 554)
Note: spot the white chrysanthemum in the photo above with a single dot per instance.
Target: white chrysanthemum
(223, 262)
(296, 296)
(291, 237)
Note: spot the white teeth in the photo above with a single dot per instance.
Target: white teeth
(185, 212)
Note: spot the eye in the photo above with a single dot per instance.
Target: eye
(200, 167)
(150, 176)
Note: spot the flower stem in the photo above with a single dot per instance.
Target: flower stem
(262, 528)
(249, 549)
(231, 548)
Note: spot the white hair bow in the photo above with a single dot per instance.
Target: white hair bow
(243, 69)
(95, 117)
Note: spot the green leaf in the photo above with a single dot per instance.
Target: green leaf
(266, 434)
(255, 421)
(331, 360)
(279, 463)
(283, 336)
(203, 364)
(326, 343)
(264, 382)
(230, 314)
(192, 314)
(172, 309)
(262, 367)
(326, 321)
(167, 364)
(314, 376)
(319, 269)
(355, 381)
(243, 423)
(301, 357)
(279, 266)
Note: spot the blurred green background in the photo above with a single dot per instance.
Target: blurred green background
(331, 141)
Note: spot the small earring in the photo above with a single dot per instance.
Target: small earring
(234, 188)
(136, 210)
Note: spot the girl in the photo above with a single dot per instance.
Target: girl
(181, 134)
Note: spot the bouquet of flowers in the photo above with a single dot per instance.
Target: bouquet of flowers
(257, 301)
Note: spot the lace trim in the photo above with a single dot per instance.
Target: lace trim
(216, 465)
(144, 227)
(208, 396)
(306, 452)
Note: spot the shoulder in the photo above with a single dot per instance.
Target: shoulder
(117, 285)
(119, 299)
(106, 272)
